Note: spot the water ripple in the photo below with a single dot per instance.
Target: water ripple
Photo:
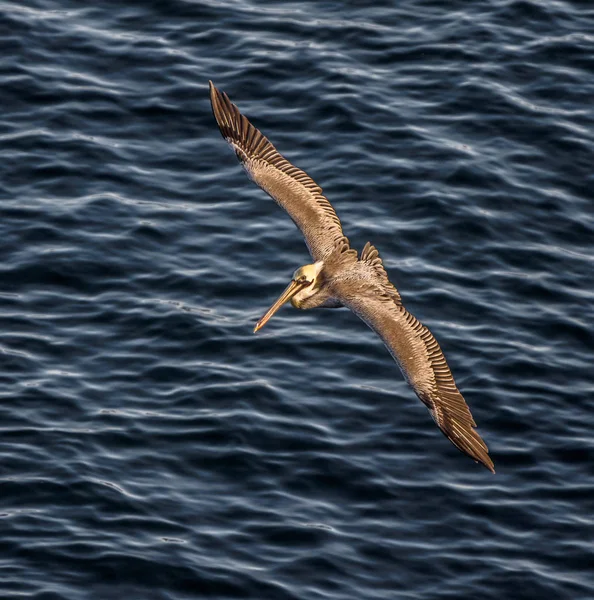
(152, 446)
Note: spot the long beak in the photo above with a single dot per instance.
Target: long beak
(291, 290)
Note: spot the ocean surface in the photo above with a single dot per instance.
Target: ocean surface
(153, 447)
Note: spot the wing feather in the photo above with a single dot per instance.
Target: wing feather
(371, 297)
(289, 186)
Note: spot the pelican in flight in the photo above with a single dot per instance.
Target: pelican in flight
(338, 277)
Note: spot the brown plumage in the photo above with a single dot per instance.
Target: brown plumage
(339, 278)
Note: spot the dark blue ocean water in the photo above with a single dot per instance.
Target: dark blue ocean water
(151, 446)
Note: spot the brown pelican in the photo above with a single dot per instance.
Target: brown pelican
(338, 277)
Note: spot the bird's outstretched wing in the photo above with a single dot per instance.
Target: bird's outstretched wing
(368, 292)
(292, 188)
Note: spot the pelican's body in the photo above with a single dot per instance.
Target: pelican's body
(339, 277)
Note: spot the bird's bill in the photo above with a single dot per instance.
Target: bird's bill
(292, 289)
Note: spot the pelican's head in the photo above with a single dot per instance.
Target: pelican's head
(302, 286)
